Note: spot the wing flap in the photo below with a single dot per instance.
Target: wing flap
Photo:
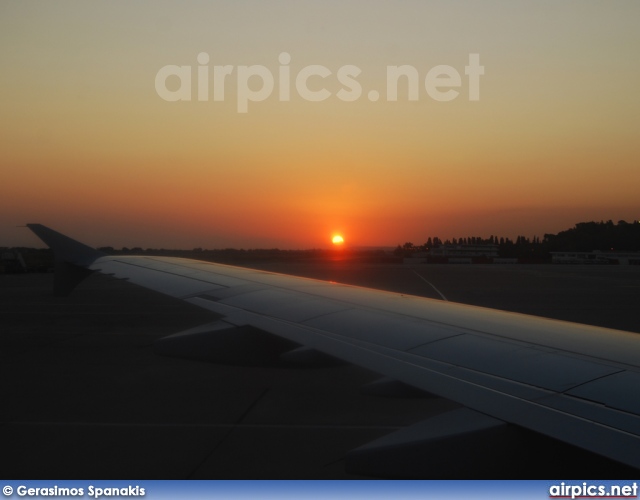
(620, 391)
(517, 361)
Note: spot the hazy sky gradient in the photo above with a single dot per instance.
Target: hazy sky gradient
(88, 146)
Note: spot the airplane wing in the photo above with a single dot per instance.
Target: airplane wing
(574, 383)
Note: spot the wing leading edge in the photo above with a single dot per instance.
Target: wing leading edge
(576, 383)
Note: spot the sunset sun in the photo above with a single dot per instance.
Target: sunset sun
(338, 240)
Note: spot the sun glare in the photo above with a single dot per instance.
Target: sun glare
(338, 240)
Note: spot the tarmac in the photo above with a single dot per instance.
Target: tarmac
(84, 396)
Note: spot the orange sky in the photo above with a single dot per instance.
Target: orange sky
(90, 148)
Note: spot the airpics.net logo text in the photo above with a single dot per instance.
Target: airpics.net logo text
(257, 83)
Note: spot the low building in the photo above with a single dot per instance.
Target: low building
(463, 254)
(465, 251)
(596, 257)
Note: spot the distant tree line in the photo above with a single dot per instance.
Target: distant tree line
(587, 236)
(583, 237)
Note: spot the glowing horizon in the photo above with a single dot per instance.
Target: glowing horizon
(91, 149)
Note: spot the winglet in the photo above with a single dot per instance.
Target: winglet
(64, 248)
(71, 258)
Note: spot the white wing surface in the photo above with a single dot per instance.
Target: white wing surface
(578, 384)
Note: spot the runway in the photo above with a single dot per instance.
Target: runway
(84, 396)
